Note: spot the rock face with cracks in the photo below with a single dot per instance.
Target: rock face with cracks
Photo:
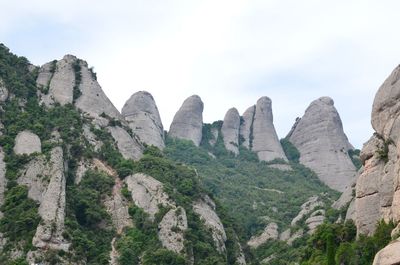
(141, 112)
(323, 145)
(188, 121)
(27, 143)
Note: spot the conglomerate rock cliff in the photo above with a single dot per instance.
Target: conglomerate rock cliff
(323, 145)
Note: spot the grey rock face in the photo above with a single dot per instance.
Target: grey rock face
(188, 121)
(246, 126)
(3, 91)
(28, 143)
(61, 82)
(52, 208)
(306, 208)
(270, 232)
(322, 144)
(141, 112)
(265, 140)
(205, 208)
(35, 177)
(390, 255)
(127, 146)
(172, 228)
(230, 130)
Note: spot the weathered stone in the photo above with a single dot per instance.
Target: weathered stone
(91, 138)
(270, 232)
(323, 145)
(27, 143)
(230, 130)
(35, 177)
(52, 209)
(45, 75)
(117, 206)
(313, 222)
(306, 208)
(246, 127)
(214, 135)
(390, 255)
(172, 228)
(147, 193)
(3, 91)
(296, 235)
(351, 211)
(205, 208)
(143, 117)
(188, 121)
(265, 140)
(127, 146)
(348, 194)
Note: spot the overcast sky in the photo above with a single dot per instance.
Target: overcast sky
(228, 52)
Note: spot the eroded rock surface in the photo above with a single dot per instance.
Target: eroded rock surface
(172, 228)
(265, 140)
(230, 130)
(3, 91)
(323, 145)
(390, 255)
(143, 117)
(3, 180)
(307, 208)
(246, 126)
(205, 208)
(270, 232)
(127, 146)
(52, 208)
(188, 121)
(27, 143)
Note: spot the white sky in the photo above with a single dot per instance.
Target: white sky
(229, 52)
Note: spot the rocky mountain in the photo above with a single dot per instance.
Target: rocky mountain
(81, 183)
(323, 145)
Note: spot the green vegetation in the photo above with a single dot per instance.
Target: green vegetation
(290, 150)
(78, 79)
(354, 155)
(87, 223)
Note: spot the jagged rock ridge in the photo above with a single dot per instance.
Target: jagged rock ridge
(323, 145)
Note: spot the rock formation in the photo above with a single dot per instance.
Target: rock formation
(52, 208)
(60, 79)
(3, 180)
(142, 115)
(390, 255)
(270, 232)
(3, 91)
(322, 144)
(188, 121)
(27, 143)
(247, 126)
(127, 146)
(205, 208)
(230, 130)
(265, 140)
(171, 229)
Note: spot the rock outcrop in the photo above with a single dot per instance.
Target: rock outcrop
(378, 186)
(205, 208)
(141, 112)
(230, 130)
(188, 121)
(52, 208)
(129, 147)
(27, 143)
(270, 232)
(390, 255)
(265, 140)
(3, 91)
(62, 77)
(323, 145)
(246, 127)
(306, 208)
(148, 194)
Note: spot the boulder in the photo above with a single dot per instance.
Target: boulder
(27, 143)
(246, 127)
(390, 255)
(230, 130)
(323, 145)
(129, 147)
(265, 140)
(141, 112)
(188, 121)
